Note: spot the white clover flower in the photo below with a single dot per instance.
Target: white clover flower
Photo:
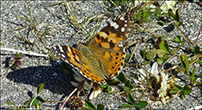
(167, 5)
(162, 91)
(95, 93)
(154, 71)
(164, 86)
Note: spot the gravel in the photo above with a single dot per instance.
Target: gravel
(20, 85)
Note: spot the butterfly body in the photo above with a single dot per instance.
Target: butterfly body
(102, 58)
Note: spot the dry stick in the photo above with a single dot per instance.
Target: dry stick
(198, 35)
(25, 52)
(184, 34)
(134, 50)
(77, 88)
(117, 94)
(67, 98)
(116, 7)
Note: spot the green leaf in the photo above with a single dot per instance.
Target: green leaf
(170, 12)
(126, 106)
(128, 86)
(182, 95)
(130, 98)
(37, 107)
(100, 107)
(117, 2)
(104, 86)
(105, 2)
(84, 108)
(34, 101)
(160, 53)
(146, 62)
(187, 67)
(173, 91)
(127, 58)
(121, 77)
(40, 99)
(158, 13)
(178, 13)
(128, 55)
(176, 87)
(19, 55)
(182, 59)
(199, 84)
(198, 61)
(193, 74)
(109, 8)
(24, 19)
(151, 54)
(10, 103)
(160, 61)
(142, 104)
(178, 39)
(40, 87)
(197, 78)
(89, 105)
(196, 50)
(113, 82)
(178, 23)
(109, 88)
(26, 104)
(164, 46)
(186, 90)
(123, 1)
(13, 105)
(51, 54)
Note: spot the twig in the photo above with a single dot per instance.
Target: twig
(61, 107)
(25, 52)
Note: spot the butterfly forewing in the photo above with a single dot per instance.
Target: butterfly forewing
(69, 55)
(108, 38)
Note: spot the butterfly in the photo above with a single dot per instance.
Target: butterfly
(102, 58)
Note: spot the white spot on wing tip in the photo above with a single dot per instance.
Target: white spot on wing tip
(122, 18)
(122, 29)
(114, 24)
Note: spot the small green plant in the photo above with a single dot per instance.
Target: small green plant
(140, 104)
(191, 77)
(181, 90)
(16, 62)
(75, 101)
(32, 25)
(36, 101)
(90, 106)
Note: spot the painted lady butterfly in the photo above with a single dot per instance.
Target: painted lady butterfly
(102, 58)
